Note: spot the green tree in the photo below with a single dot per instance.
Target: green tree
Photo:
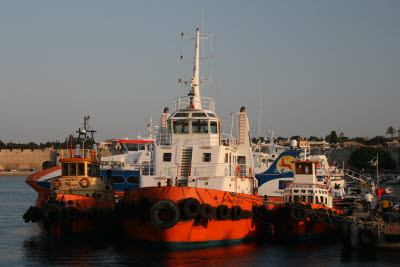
(313, 138)
(295, 137)
(361, 140)
(377, 140)
(333, 138)
(391, 131)
(362, 156)
(2, 145)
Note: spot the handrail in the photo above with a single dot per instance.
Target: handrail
(190, 165)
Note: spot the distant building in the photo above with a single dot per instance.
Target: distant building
(351, 144)
(283, 142)
(319, 144)
(393, 145)
(303, 143)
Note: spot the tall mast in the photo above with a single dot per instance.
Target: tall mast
(195, 84)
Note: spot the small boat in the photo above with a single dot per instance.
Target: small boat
(307, 211)
(80, 201)
(200, 190)
(124, 167)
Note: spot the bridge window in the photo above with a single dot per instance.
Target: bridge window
(199, 115)
(73, 170)
(133, 179)
(214, 127)
(322, 199)
(206, 157)
(181, 126)
(131, 146)
(309, 199)
(64, 169)
(303, 191)
(211, 115)
(81, 169)
(167, 157)
(200, 126)
(304, 168)
(118, 179)
(142, 146)
(182, 115)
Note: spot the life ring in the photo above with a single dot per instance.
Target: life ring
(205, 211)
(57, 183)
(52, 214)
(191, 208)
(238, 170)
(164, 214)
(236, 213)
(250, 171)
(223, 212)
(84, 182)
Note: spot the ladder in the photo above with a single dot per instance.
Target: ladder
(242, 127)
(185, 165)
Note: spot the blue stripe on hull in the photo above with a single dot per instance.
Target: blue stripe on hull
(193, 245)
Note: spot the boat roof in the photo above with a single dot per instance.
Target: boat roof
(134, 141)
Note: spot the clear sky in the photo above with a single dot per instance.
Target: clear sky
(321, 65)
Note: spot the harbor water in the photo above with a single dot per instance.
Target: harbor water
(22, 245)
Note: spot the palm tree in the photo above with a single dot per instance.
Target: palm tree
(391, 131)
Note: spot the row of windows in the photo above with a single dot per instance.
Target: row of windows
(309, 191)
(197, 126)
(136, 146)
(78, 169)
(195, 114)
(304, 168)
(167, 157)
(119, 179)
(308, 199)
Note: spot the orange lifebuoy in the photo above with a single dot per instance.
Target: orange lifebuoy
(250, 171)
(84, 182)
(238, 170)
(56, 183)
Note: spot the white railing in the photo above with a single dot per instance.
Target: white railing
(184, 103)
(77, 153)
(197, 140)
(197, 170)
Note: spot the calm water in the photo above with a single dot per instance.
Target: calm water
(22, 244)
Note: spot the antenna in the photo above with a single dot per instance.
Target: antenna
(259, 117)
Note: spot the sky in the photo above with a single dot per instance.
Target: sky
(320, 65)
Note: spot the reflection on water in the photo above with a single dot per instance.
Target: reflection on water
(22, 244)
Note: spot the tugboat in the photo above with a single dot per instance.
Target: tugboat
(307, 211)
(124, 167)
(80, 201)
(200, 189)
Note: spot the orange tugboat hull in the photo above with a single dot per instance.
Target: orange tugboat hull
(197, 232)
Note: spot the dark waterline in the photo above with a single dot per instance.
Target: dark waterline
(21, 244)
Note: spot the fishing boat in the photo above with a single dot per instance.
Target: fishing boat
(307, 211)
(200, 189)
(80, 201)
(124, 166)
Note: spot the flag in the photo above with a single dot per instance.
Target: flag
(373, 162)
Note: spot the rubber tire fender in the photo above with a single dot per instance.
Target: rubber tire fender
(205, 211)
(298, 213)
(36, 214)
(144, 207)
(223, 212)
(164, 205)
(191, 208)
(27, 215)
(236, 213)
(52, 214)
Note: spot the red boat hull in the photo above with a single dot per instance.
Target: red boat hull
(200, 232)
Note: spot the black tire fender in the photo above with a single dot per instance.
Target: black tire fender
(236, 212)
(52, 214)
(144, 207)
(164, 214)
(205, 211)
(223, 212)
(191, 208)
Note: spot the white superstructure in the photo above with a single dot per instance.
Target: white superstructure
(191, 150)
